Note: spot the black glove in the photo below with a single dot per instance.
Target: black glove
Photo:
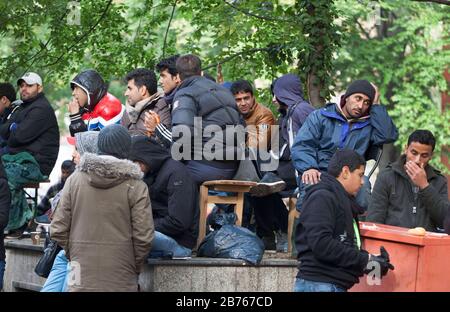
(382, 260)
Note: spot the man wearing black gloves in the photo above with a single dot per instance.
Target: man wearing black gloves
(327, 236)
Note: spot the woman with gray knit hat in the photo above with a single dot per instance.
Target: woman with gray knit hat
(104, 221)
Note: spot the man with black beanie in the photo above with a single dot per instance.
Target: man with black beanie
(358, 122)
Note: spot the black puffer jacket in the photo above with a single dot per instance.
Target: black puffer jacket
(325, 237)
(200, 97)
(173, 193)
(36, 132)
(5, 201)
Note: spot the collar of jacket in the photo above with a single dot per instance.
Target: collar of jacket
(188, 81)
(252, 111)
(399, 167)
(169, 97)
(109, 166)
(330, 183)
(333, 111)
(38, 96)
(135, 111)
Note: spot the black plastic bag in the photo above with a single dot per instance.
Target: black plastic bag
(219, 217)
(234, 242)
(45, 264)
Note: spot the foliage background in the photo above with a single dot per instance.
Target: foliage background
(397, 44)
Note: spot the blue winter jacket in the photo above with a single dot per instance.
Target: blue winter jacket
(326, 130)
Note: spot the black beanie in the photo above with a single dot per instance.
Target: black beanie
(361, 86)
(114, 140)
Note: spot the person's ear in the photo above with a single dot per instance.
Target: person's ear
(406, 149)
(40, 88)
(345, 172)
(143, 91)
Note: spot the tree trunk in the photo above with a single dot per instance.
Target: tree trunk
(314, 88)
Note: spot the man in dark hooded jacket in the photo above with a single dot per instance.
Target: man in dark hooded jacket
(5, 201)
(173, 195)
(327, 236)
(92, 103)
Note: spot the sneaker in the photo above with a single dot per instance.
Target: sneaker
(269, 244)
(282, 242)
(269, 184)
(17, 233)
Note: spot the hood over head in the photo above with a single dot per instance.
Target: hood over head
(106, 171)
(288, 89)
(150, 153)
(93, 84)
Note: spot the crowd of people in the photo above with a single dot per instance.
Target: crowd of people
(131, 190)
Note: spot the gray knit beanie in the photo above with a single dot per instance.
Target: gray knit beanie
(114, 140)
(86, 142)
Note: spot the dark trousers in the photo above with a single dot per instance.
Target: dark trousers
(270, 214)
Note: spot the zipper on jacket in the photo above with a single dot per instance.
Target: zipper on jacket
(415, 190)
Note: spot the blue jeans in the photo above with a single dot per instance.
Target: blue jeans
(2, 272)
(302, 285)
(164, 245)
(57, 280)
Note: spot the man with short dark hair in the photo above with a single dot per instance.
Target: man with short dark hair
(327, 235)
(258, 118)
(169, 80)
(410, 192)
(143, 96)
(198, 97)
(7, 101)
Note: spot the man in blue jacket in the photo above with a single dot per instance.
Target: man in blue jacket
(357, 122)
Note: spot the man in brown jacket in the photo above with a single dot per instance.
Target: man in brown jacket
(258, 118)
(143, 96)
(104, 219)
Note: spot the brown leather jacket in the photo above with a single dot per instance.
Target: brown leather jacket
(258, 122)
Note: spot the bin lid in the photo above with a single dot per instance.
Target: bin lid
(401, 235)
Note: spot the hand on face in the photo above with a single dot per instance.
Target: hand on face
(74, 107)
(417, 174)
